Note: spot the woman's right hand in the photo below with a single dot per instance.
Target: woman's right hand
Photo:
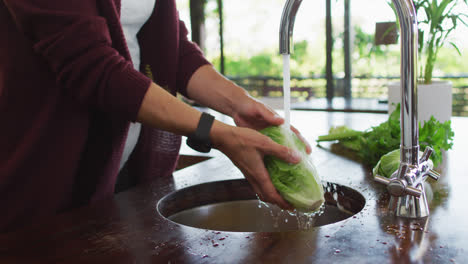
(246, 148)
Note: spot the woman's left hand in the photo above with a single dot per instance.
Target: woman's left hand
(254, 114)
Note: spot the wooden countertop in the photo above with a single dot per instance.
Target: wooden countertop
(128, 228)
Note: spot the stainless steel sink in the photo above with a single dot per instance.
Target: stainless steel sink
(232, 205)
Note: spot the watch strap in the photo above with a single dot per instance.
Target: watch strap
(200, 139)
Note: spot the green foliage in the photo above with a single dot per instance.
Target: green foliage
(437, 135)
(381, 139)
(437, 19)
(368, 59)
(299, 53)
(299, 184)
(439, 22)
(270, 63)
(372, 144)
(340, 133)
(364, 44)
(449, 61)
(262, 64)
(308, 60)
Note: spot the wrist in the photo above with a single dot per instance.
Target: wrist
(219, 132)
(238, 99)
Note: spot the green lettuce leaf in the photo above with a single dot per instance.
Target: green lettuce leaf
(299, 184)
(390, 162)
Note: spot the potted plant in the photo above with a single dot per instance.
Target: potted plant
(437, 19)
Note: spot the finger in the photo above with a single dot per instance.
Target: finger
(298, 134)
(256, 188)
(283, 204)
(267, 190)
(270, 147)
(276, 198)
(255, 183)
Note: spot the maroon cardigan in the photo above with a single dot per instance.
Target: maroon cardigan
(68, 91)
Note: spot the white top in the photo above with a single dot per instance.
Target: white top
(133, 15)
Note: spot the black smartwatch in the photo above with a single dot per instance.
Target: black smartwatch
(200, 139)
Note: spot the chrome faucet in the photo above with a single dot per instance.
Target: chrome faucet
(287, 25)
(406, 185)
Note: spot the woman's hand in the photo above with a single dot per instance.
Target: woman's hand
(246, 148)
(256, 115)
(209, 88)
(243, 144)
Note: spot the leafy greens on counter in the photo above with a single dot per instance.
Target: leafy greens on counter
(370, 145)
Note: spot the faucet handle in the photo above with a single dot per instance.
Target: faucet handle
(424, 158)
(381, 179)
(426, 155)
(433, 174)
(398, 187)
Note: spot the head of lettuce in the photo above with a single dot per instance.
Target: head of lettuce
(299, 184)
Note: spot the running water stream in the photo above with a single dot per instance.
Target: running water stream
(304, 220)
(286, 91)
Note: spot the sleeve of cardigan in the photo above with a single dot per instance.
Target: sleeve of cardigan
(74, 40)
(190, 59)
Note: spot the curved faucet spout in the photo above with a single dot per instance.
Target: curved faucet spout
(287, 25)
(409, 53)
(409, 94)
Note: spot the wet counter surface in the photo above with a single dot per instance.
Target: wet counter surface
(129, 229)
